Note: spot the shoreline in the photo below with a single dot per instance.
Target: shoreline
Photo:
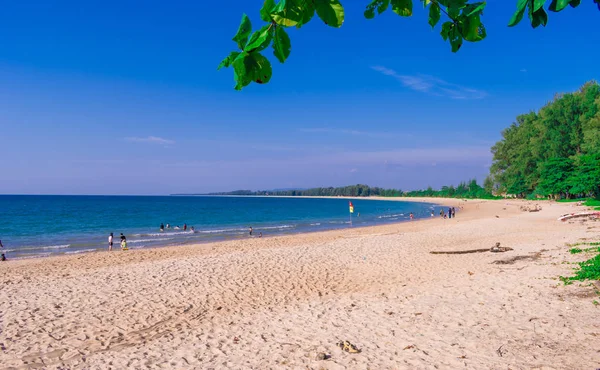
(43, 253)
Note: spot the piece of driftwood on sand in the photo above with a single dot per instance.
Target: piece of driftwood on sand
(496, 249)
(579, 214)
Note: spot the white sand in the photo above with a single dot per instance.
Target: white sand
(278, 302)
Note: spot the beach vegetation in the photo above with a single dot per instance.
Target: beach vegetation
(553, 153)
(470, 189)
(457, 21)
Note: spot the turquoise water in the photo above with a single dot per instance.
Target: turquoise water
(34, 226)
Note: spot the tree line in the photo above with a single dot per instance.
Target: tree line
(553, 153)
(468, 189)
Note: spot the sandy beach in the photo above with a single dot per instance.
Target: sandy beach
(283, 302)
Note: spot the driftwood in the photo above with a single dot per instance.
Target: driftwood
(497, 248)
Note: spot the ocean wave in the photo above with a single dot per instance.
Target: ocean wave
(214, 231)
(390, 216)
(169, 234)
(276, 227)
(21, 249)
(81, 251)
(27, 256)
(148, 240)
(316, 224)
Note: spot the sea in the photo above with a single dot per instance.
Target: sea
(38, 226)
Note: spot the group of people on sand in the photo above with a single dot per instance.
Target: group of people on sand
(185, 227)
(123, 242)
(451, 213)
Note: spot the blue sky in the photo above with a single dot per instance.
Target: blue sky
(113, 98)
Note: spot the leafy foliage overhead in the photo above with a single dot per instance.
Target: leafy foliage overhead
(462, 23)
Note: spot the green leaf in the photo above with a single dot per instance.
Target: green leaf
(471, 27)
(266, 10)
(281, 44)
(308, 13)
(239, 71)
(263, 71)
(249, 67)
(379, 5)
(538, 4)
(518, 15)
(539, 17)
(558, 5)
(260, 39)
(456, 39)
(402, 7)
(227, 61)
(434, 14)
(475, 8)
(330, 11)
(575, 3)
(289, 13)
(446, 28)
(241, 37)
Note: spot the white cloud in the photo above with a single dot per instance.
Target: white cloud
(151, 140)
(432, 85)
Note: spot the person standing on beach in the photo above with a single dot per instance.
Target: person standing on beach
(123, 242)
(453, 212)
(110, 242)
(3, 258)
(250, 230)
(449, 212)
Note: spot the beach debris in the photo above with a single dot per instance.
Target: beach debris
(470, 273)
(497, 248)
(411, 346)
(348, 347)
(568, 216)
(501, 351)
(323, 356)
(534, 208)
(236, 340)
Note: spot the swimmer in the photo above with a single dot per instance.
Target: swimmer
(162, 227)
(184, 227)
